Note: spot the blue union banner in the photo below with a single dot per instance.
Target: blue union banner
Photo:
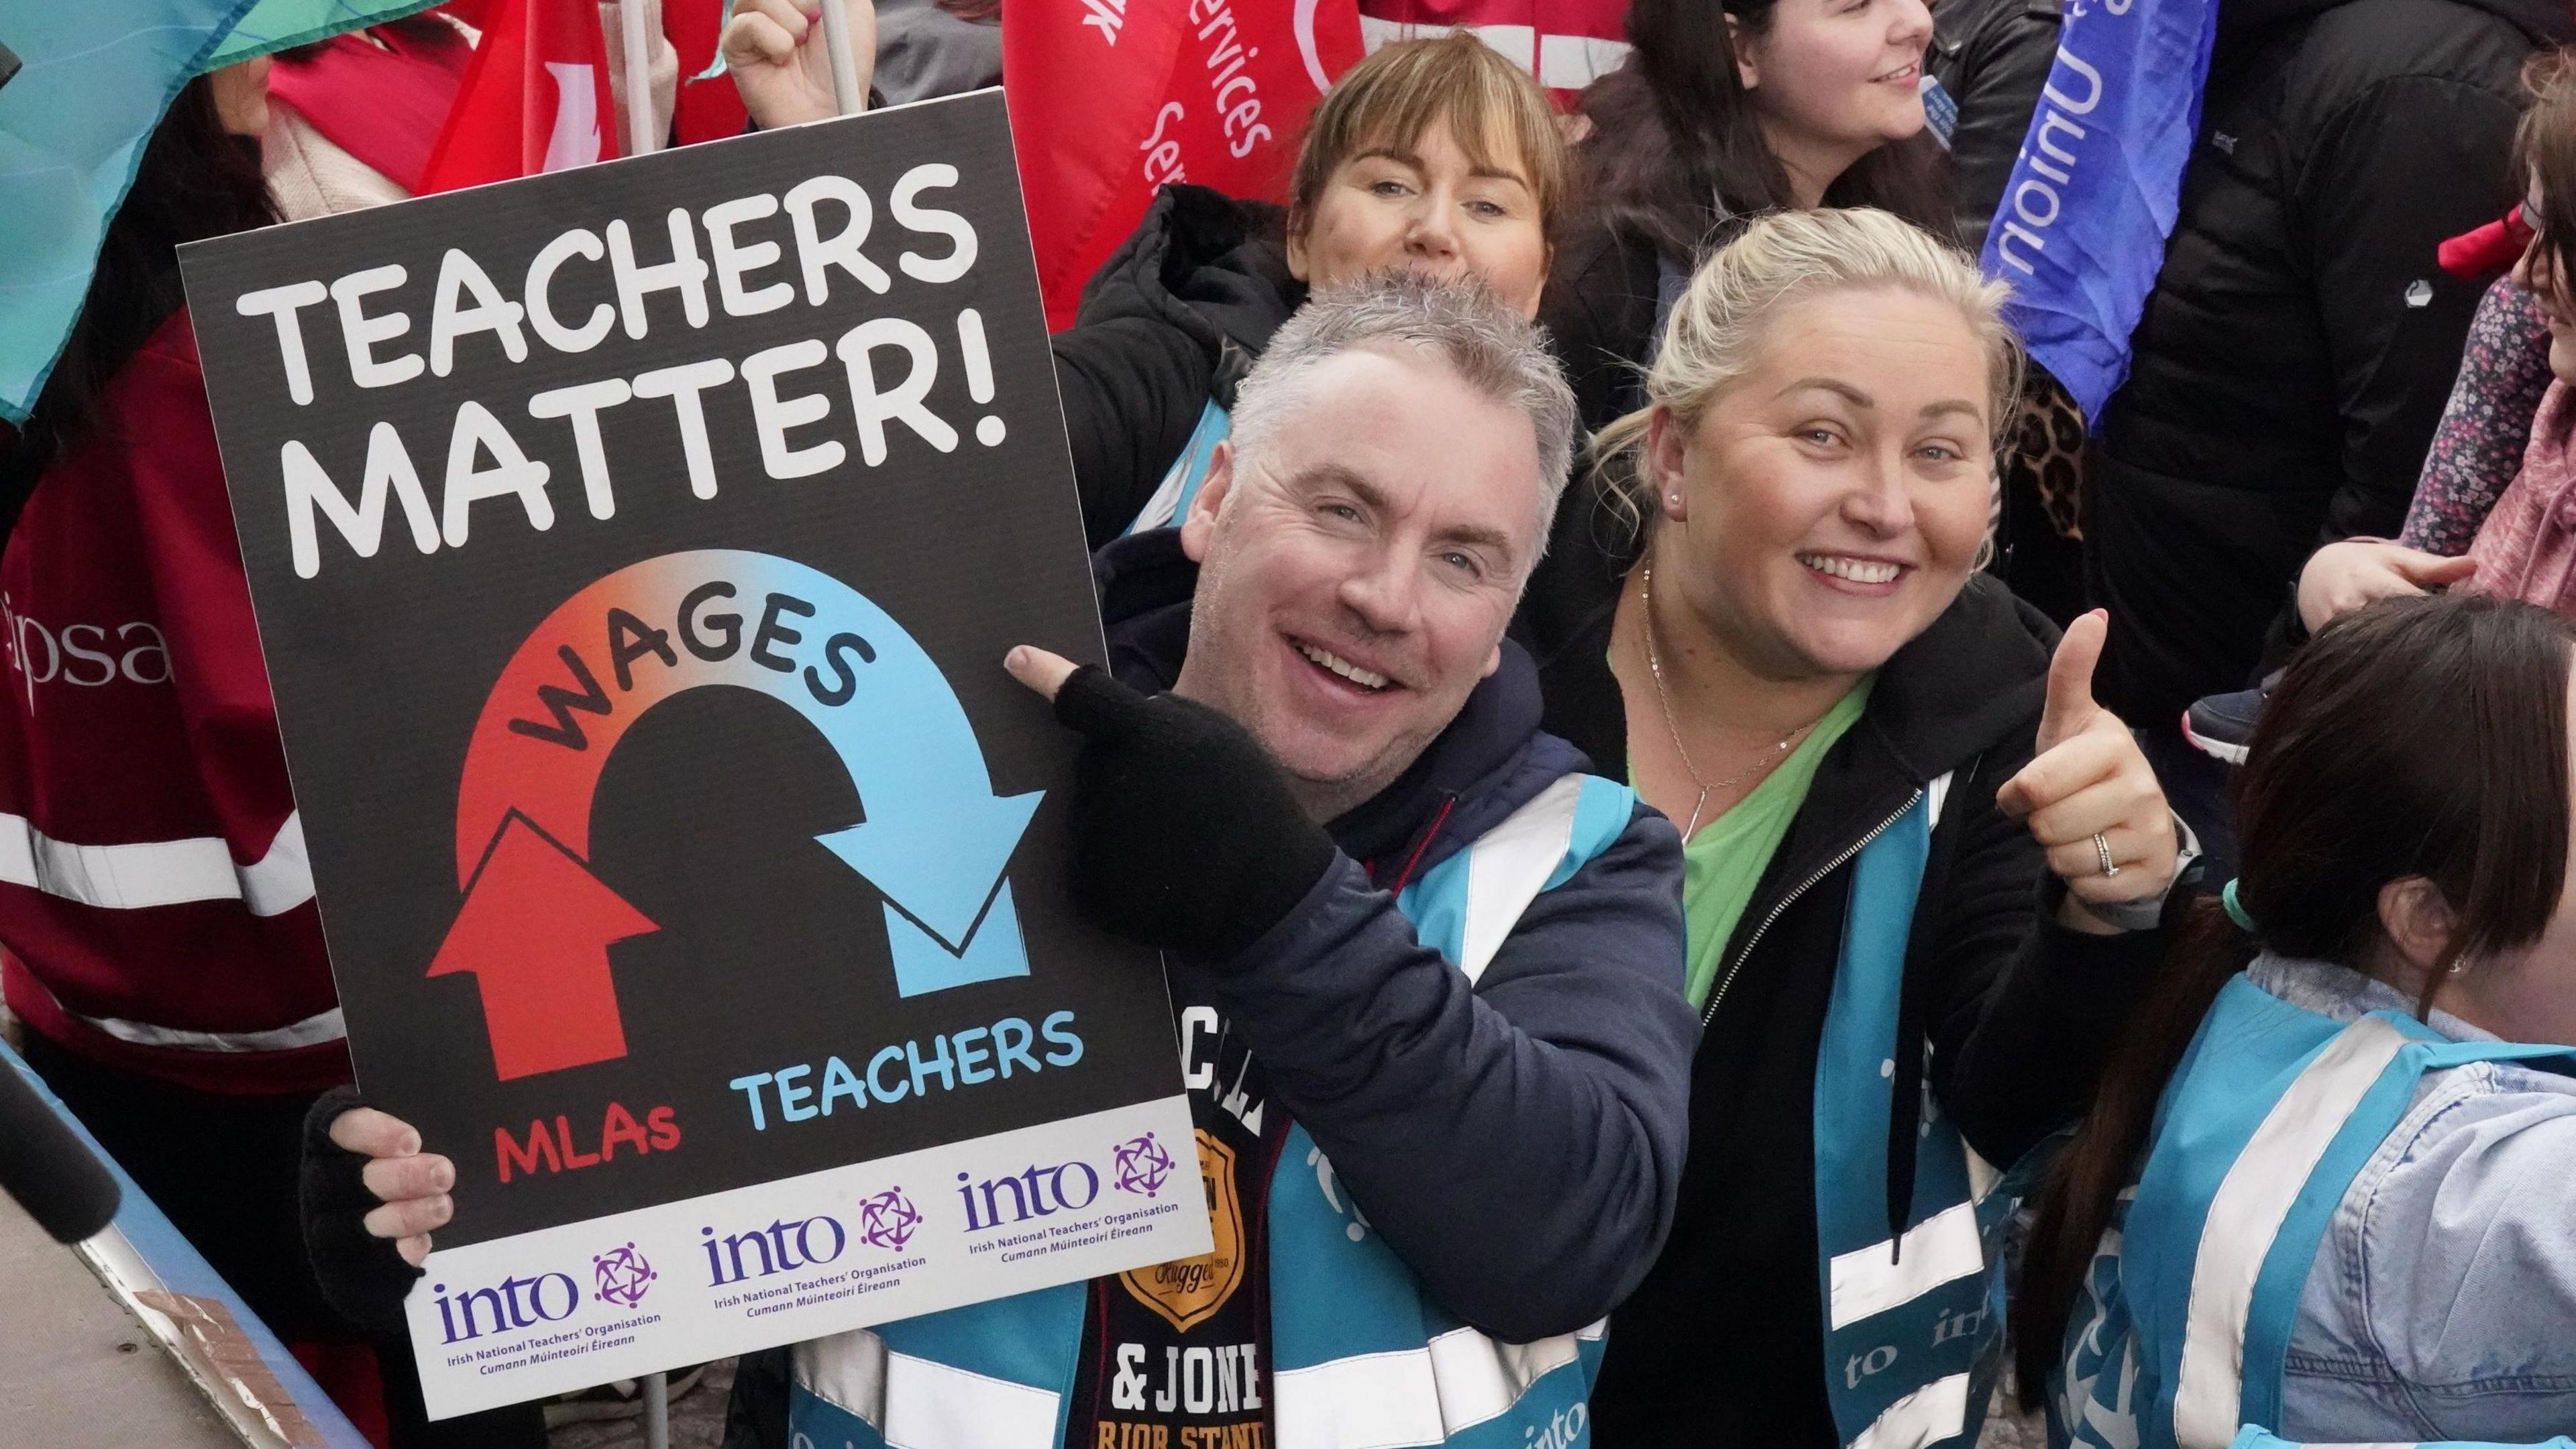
(2080, 232)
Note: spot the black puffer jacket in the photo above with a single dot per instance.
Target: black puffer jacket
(2296, 352)
(1173, 318)
(1992, 56)
(1722, 1344)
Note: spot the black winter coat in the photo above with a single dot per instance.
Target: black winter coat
(2296, 353)
(1175, 317)
(1725, 1336)
(1992, 56)
(1599, 311)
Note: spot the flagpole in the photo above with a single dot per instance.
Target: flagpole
(639, 76)
(846, 94)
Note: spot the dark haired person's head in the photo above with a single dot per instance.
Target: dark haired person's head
(2403, 811)
(1436, 157)
(199, 177)
(1787, 104)
(2545, 159)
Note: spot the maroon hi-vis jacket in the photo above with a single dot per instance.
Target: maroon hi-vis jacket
(154, 898)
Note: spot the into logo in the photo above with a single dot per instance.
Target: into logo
(887, 1220)
(1142, 1166)
(623, 1276)
(507, 1306)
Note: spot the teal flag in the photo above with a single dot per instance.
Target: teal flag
(97, 77)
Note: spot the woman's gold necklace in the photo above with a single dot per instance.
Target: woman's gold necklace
(1655, 666)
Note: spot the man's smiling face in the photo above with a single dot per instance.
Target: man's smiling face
(1358, 563)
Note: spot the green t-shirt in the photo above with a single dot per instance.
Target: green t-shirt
(1722, 864)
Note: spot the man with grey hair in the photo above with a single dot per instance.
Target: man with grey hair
(1426, 970)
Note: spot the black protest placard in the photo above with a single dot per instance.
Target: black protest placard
(634, 550)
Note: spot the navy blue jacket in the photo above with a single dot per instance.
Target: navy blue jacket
(1518, 1143)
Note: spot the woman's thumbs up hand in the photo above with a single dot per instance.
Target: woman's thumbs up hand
(2088, 795)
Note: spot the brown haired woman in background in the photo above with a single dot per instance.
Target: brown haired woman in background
(2320, 1193)
(1723, 112)
(1433, 156)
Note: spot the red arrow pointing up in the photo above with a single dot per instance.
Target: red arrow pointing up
(535, 931)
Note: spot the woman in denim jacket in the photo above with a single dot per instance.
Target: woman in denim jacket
(2321, 1193)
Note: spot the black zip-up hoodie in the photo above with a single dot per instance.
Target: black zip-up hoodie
(1725, 1336)
(1173, 319)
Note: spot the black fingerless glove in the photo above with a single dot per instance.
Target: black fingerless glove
(1184, 835)
(362, 1276)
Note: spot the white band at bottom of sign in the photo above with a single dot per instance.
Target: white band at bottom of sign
(522, 1317)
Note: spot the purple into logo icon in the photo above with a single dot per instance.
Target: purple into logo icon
(887, 1220)
(1142, 1166)
(623, 1276)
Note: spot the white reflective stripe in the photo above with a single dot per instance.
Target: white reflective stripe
(1982, 1175)
(1928, 1415)
(1940, 1249)
(1935, 793)
(1372, 1401)
(934, 1406)
(847, 1371)
(327, 1026)
(1571, 62)
(158, 872)
(1165, 506)
(1508, 866)
(1479, 1379)
(2246, 1215)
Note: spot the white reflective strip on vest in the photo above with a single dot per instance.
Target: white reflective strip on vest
(847, 1371)
(1163, 509)
(1940, 1249)
(1372, 1401)
(328, 1026)
(1928, 1415)
(1480, 1379)
(1508, 866)
(2245, 1216)
(1982, 1176)
(1934, 794)
(158, 872)
(934, 1406)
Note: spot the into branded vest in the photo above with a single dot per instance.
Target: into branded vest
(1170, 502)
(1913, 1325)
(2183, 1334)
(1362, 1359)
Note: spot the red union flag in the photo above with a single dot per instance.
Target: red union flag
(535, 99)
(1110, 99)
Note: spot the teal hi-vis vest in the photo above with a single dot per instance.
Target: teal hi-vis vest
(1361, 1358)
(2182, 1338)
(1913, 1326)
(1170, 502)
